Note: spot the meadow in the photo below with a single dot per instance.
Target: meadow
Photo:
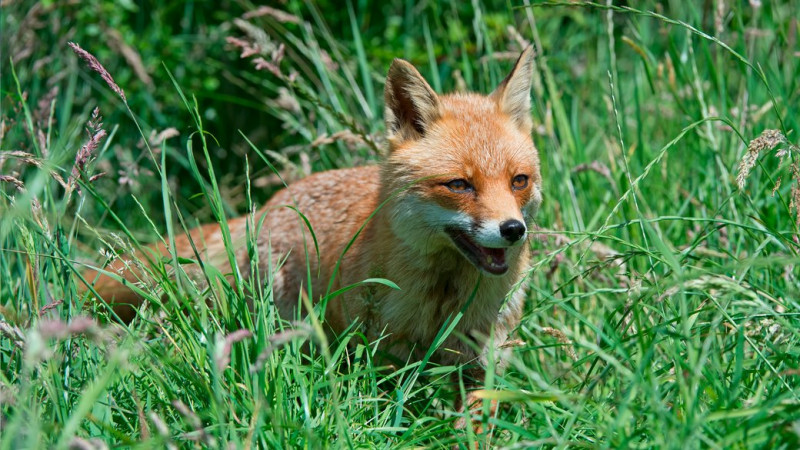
(662, 308)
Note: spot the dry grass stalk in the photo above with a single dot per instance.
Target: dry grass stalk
(162, 429)
(350, 139)
(260, 44)
(145, 429)
(162, 136)
(287, 101)
(12, 180)
(199, 434)
(224, 356)
(40, 217)
(562, 339)
(59, 329)
(44, 108)
(719, 17)
(776, 187)
(600, 168)
(79, 443)
(277, 14)
(95, 65)
(18, 154)
(23, 43)
(247, 48)
(26, 158)
(517, 36)
(158, 422)
(188, 414)
(94, 128)
(14, 334)
(767, 140)
(263, 64)
(330, 64)
(302, 331)
(50, 306)
(257, 36)
(513, 343)
(133, 58)
(461, 83)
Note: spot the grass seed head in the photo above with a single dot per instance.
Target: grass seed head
(767, 140)
(562, 339)
(87, 153)
(95, 65)
(13, 180)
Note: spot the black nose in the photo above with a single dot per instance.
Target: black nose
(512, 230)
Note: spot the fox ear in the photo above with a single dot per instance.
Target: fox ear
(411, 104)
(513, 95)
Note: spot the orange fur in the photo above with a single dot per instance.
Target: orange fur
(484, 141)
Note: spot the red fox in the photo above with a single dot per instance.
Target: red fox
(452, 206)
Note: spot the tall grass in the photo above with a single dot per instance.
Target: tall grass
(663, 302)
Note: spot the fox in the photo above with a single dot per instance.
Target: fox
(445, 217)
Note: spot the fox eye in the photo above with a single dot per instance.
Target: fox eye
(519, 182)
(459, 186)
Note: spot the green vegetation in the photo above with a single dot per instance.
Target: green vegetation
(663, 307)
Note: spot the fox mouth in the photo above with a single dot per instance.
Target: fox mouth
(491, 260)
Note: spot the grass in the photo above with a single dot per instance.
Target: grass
(663, 305)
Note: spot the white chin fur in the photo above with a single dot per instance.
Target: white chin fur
(420, 223)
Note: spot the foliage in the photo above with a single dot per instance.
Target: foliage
(663, 306)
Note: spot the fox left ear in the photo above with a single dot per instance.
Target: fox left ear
(411, 104)
(513, 95)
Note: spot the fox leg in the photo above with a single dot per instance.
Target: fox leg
(470, 406)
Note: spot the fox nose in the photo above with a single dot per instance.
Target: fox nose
(512, 230)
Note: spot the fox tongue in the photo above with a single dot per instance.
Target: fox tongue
(492, 260)
(494, 256)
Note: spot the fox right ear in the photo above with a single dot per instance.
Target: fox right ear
(513, 96)
(411, 104)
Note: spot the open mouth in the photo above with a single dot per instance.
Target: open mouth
(492, 260)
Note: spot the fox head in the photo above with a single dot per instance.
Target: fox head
(462, 167)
